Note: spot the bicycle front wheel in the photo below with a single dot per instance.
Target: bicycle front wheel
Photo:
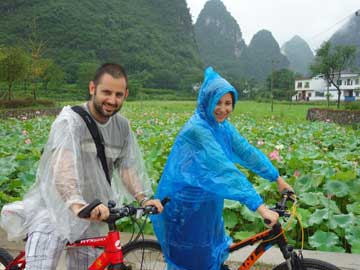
(309, 264)
(5, 258)
(143, 255)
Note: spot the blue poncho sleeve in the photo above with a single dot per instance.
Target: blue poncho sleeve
(213, 170)
(250, 157)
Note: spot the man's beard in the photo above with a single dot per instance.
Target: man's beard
(98, 108)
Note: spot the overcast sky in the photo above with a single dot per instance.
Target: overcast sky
(313, 20)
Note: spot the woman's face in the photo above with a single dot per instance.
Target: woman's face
(223, 108)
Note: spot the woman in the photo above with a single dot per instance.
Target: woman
(200, 173)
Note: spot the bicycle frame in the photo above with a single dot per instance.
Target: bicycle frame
(112, 254)
(269, 237)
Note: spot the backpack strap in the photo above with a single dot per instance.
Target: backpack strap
(97, 137)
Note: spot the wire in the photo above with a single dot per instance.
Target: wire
(322, 32)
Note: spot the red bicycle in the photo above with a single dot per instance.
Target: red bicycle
(136, 254)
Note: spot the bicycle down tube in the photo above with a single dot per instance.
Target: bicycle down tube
(270, 237)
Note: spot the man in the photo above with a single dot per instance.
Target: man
(70, 175)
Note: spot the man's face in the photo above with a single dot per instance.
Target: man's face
(107, 97)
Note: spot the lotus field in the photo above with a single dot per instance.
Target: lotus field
(320, 160)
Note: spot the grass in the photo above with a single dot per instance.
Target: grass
(258, 111)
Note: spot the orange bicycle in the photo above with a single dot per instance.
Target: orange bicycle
(276, 236)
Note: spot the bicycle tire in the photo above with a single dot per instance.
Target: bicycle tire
(309, 264)
(143, 255)
(5, 258)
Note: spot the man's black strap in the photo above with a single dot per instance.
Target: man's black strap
(97, 137)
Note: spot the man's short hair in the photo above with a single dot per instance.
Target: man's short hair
(115, 70)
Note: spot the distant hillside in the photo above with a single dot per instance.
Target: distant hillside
(261, 56)
(349, 35)
(299, 55)
(219, 38)
(221, 45)
(154, 40)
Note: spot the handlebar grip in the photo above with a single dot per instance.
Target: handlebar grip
(165, 201)
(150, 209)
(85, 212)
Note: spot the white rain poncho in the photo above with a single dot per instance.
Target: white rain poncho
(199, 174)
(70, 172)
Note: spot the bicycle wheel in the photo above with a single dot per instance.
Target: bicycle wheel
(5, 258)
(309, 264)
(143, 255)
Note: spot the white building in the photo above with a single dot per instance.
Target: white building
(316, 88)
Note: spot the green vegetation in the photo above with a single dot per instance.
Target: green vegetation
(319, 159)
(154, 40)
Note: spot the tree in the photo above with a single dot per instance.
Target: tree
(85, 74)
(283, 83)
(38, 64)
(13, 66)
(53, 76)
(331, 62)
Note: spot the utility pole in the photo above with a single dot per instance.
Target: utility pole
(272, 85)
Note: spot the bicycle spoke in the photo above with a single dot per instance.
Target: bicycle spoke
(145, 260)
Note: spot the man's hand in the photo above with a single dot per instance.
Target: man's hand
(156, 203)
(99, 213)
(268, 214)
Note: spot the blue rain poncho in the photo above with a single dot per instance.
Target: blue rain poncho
(199, 174)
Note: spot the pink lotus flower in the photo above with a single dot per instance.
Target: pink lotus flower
(274, 155)
(24, 132)
(24, 117)
(296, 173)
(27, 141)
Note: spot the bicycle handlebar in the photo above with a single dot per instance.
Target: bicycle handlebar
(280, 207)
(125, 211)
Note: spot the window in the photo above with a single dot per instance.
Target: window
(309, 94)
(349, 82)
(299, 84)
(339, 82)
(319, 94)
(307, 85)
(357, 81)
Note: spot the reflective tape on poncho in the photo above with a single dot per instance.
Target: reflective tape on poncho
(199, 174)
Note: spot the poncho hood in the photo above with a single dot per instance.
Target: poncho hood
(211, 91)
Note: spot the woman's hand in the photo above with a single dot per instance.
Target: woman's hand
(268, 214)
(283, 185)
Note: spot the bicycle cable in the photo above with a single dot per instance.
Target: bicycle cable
(293, 215)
